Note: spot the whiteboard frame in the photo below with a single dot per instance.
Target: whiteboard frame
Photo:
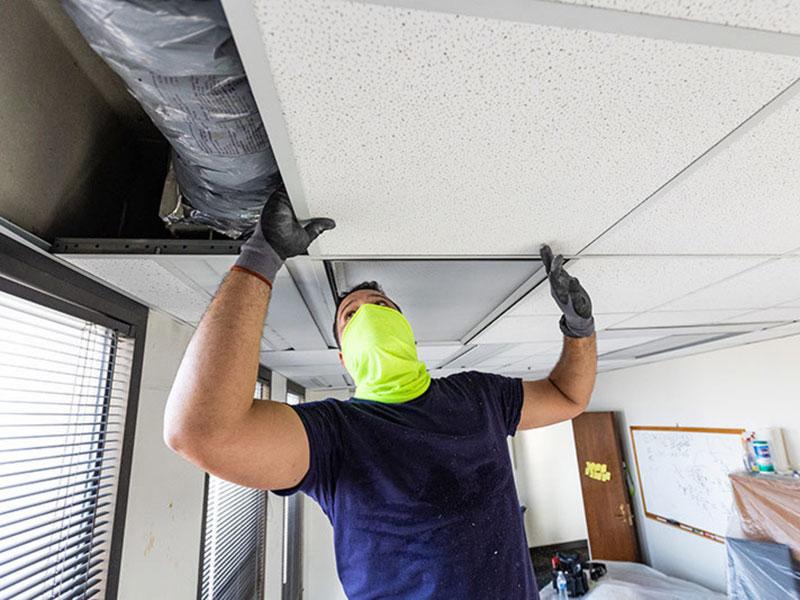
(665, 520)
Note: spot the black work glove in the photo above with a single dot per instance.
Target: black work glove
(278, 236)
(577, 320)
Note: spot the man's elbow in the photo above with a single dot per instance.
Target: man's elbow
(186, 435)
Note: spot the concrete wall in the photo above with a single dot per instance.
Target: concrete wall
(749, 387)
(161, 547)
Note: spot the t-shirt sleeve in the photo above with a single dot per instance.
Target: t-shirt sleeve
(321, 422)
(504, 395)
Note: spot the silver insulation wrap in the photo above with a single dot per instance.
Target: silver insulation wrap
(179, 60)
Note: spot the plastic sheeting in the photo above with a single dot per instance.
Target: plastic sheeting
(179, 60)
(763, 541)
(634, 581)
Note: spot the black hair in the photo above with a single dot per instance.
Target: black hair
(364, 285)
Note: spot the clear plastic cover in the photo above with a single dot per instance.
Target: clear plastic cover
(634, 581)
(763, 541)
(179, 60)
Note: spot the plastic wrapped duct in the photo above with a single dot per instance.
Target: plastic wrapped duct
(179, 60)
(763, 541)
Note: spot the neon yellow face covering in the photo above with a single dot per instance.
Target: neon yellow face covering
(381, 356)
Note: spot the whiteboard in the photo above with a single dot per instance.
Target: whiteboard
(683, 476)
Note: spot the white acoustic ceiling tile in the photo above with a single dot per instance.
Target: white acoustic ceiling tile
(612, 344)
(770, 15)
(772, 282)
(742, 200)
(683, 317)
(147, 281)
(442, 299)
(529, 349)
(202, 270)
(311, 370)
(520, 329)
(768, 315)
(633, 284)
(300, 358)
(433, 356)
(402, 123)
(791, 303)
(287, 314)
(542, 362)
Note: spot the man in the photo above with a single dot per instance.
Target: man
(413, 473)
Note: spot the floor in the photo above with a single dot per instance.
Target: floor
(541, 555)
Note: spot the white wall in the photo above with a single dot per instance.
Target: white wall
(751, 386)
(320, 581)
(161, 547)
(548, 484)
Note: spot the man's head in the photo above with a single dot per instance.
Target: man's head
(368, 292)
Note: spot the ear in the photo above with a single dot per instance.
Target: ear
(341, 359)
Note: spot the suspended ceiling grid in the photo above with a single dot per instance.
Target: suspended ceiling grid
(769, 15)
(400, 123)
(625, 136)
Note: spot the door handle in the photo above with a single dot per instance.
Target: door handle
(625, 513)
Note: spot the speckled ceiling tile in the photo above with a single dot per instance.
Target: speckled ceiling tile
(429, 133)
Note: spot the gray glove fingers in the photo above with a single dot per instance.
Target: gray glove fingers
(317, 226)
(581, 302)
(547, 257)
(557, 264)
(559, 284)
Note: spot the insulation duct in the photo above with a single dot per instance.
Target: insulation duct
(179, 60)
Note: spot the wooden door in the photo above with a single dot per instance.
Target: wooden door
(609, 519)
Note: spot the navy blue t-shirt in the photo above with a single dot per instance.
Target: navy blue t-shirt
(421, 494)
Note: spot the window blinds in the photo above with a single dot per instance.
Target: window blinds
(234, 540)
(63, 396)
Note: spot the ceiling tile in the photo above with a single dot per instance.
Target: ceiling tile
(515, 329)
(433, 356)
(299, 358)
(664, 344)
(770, 15)
(146, 280)
(533, 364)
(400, 123)
(742, 200)
(206, 272)
(442, 299)
(633, 284)
(288, 315)
(774, 314)
(612, 344)
(683, 317)
(792, 303)
(521, 329)
(773, 282)
(182, 286)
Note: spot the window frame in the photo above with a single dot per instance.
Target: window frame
(265, 378)
(30, 272)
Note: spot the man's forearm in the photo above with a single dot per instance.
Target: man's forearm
(575, 372)
(213, 388)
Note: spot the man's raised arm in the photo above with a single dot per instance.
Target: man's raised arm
(567, 391)
(211, 418)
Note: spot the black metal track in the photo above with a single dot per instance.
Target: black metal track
(144, 246)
